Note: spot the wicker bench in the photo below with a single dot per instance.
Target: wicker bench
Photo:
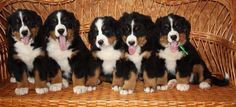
(213, 34)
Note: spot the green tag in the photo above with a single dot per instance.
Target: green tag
(183, 50)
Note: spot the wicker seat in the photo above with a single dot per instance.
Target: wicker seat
(213, 34)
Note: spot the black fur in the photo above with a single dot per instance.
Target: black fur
(111, 29)
(31, 19)
(143, 25)
(186, 63)
(78, 63)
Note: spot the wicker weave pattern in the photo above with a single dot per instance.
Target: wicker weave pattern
(211, 21)
(103, 96)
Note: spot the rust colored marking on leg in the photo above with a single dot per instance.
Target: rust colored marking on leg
(162, 80)
(130, 84)
(149, 82)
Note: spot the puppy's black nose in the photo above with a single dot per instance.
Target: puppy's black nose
(61, 31)
(100, 42)
(173, 37)
(131, 43)
(24, 33)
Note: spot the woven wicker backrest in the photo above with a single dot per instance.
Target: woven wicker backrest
(211, 21)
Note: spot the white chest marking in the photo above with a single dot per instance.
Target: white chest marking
(26, 53)
(136, 58)
(109, 57)
(60, 56)
(170, 59)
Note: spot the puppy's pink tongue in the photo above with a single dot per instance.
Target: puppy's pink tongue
(132, 50)
(62, 42)
(173, 46)
(25, 40)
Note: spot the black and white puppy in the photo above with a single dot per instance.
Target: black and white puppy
(24, 50)
(177, 56)
(106, 51)
(136, 32)
(66, 51)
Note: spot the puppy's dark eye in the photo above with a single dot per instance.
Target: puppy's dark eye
(104, 27)
(127, 28)
(64, 19)
(136, 28)
(17, 20)
(177, 26)
(54, 20)
(166, 27)
(25, 18)
(95, 29)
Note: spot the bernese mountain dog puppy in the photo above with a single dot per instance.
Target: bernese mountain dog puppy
(24, 51)
(178, 58)
(66, 51)
(136, 32)
(106, 51)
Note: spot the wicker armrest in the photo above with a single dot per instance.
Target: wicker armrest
(3, 45)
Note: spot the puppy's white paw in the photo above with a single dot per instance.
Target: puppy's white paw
(204, 85)
(126, 92)
(65, 83)
(31, 80)
(21, 91)
(182, 87)
(172, 83)
(162, 87)
(13, 80)
(91, 88)
(148, 90)
(116, 88)
(79, 89)
(55, 87)
(41, 90)
(48, 84)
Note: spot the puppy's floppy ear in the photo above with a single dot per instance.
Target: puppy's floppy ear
(115, 25)
(76, 23)
(149, 26)
(158, 24)
(37, 18)
(9, 29)
(186, 27)
(91, 32)
(9, 33)
(148, 22)
(119, 43)
(91, 35)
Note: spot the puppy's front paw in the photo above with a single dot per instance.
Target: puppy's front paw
(162, 87)
(21, 91)
(182, 87)
(79, 89)
(55, 87)
(204, 85)
(41, 90)
(148, 90)
(172, 83)
(116, 88)
(31, 80)
(13, 80)
(91, 88)
(126, 92)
